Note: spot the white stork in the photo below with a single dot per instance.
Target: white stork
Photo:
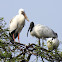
(41, 31)
(16, 24)
(52, 43)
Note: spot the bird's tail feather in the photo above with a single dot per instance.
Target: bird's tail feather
(55, 34)
(11, 38)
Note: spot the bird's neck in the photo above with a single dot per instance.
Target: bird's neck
(31, 27)
(20, 14)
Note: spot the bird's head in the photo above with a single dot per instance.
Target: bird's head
(30, 27)
(21, 11)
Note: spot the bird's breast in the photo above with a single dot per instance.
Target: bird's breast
(20, 26)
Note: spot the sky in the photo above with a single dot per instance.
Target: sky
(45, 12)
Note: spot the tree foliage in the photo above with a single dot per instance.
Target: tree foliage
(18, 52)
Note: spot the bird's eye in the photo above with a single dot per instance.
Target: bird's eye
(52, 38)
(23, 13)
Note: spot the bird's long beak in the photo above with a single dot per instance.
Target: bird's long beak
(28, 31)
(26, 17)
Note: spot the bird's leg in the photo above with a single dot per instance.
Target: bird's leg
(18, 37)
(42, 46)
(39, 42)
(42, 42)
(13, 37)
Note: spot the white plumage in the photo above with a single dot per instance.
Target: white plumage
(17, 23)
(41, 31)
(52, 43)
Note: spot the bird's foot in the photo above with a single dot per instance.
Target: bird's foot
(18, 41)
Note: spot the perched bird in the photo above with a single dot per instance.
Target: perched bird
(17, 24)
(41, 31)
(52, 43)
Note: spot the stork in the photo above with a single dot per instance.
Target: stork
(41, 31)
(52, 43)
(17, 24)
